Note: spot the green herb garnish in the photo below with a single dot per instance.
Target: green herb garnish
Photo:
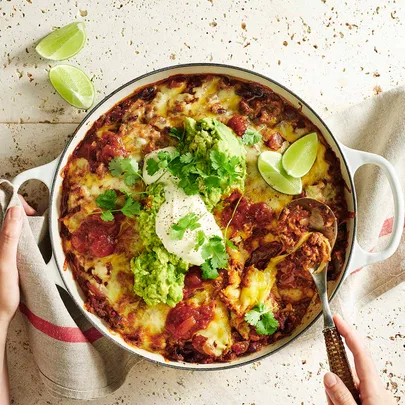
(226, 169)
(215, 256)
(177, 133)
(107, 199)
(220, 171)
(164, 158)
(189, 221)
(209, 271)
(201, 238)
(251, 137)
(109, 202)
(262, 319)
(125, 166)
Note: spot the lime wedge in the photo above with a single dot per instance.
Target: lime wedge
(271, 169)
(73, 85)
(63, 43)
(300, 156)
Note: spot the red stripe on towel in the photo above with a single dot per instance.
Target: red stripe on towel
(385, 230)
(387, 227)
(62, 333)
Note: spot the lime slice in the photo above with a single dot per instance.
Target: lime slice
(300, 156)
(271, 169)
(73, 85)
(63, 43)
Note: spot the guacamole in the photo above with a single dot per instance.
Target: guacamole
(210, 161)
(203, 138)
(158, 274)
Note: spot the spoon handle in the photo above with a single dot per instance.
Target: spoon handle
(338, 361)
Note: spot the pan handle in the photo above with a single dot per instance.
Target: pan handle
(46, 174)
(361, 257)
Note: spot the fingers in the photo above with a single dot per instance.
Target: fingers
(355, 378)
(10, 235)
(365, 368)
(328, 399)
(336, 391)
(27, 208)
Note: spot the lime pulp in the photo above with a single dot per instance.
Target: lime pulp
(73, 85)
(300, 156)
(63, 43)
(271, 169)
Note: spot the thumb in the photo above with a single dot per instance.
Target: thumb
(10, 234)
(337, 391)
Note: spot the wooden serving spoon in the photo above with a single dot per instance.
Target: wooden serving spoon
(323, 220)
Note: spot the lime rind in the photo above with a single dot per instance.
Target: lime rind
(271, 169)
(301, 155)
(63, 43)
(73, 85)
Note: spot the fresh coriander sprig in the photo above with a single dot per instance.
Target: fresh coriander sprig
(220, 171)
(177, 133)
(189, 221)
(251, 137)
(128, 167)
(226, 169)
(108, 202)
(214, 253)
(164, 158)
(201, 238)
(262, 319)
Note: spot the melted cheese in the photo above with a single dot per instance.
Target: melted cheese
(218, 331)
(255, 288)
(141, 127)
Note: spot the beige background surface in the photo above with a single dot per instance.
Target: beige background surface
(333, 53)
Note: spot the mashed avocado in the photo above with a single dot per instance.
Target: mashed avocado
(209, 161)
(201, 139)
(158, 274)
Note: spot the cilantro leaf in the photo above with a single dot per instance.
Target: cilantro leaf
(189, 185)
(227, 169)
(130, 179)
(218, 159)
(152, 166)
(107, 216)
(115, 166)
(189, 221)
(251, 137)
(187, 158)
(267, 324)
(201, 238)
(176, 133)
(127, 167)
(131, 207)
(107, 200)
(208, 271)
(163, 155)
(215, 250)
(253, 316)
(212, 182)
(164, 158)
(263, 320)
(231, 244)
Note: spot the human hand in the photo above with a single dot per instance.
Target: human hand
(366, 378)
(9, 237)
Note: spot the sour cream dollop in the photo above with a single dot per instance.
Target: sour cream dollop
(177, 205)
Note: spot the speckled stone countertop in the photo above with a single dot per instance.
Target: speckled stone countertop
(332, 53)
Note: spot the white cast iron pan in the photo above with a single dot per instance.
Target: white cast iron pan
(350, 161)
